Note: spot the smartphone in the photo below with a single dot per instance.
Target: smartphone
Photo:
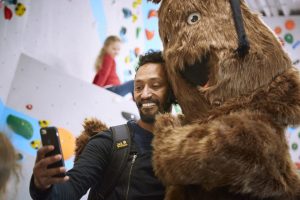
(50, 136)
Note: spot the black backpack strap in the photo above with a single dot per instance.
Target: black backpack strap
(121, 136)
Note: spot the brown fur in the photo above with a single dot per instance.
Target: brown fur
(91, 127)
(232, 143)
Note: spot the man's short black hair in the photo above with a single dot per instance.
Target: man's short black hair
(150, 57)
(156, 57)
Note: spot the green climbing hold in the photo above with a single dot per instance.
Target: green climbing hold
(289, 38)
(137, 33)
(20, 126)
(294, 146)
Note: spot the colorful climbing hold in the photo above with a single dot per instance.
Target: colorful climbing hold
(289, 38)
(20, 126)
(10, 2)
(67, 141)
(127, 59)
(152, 13)
(296, 44)
(35, 144)
(7, 13)
(290, 24)
(126, 12)
(277, 30)
(29, 106)
(134, 18)
(123, 31)
(44, 123)
(149, 34)
(294, 146)
(20, 9)
(136, 3)
(137, 51)
(138, 31)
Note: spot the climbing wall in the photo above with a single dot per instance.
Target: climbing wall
(135, 22)
(288, 31)
(61, 33)
(41, 96)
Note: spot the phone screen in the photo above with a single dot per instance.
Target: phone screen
(50, 136)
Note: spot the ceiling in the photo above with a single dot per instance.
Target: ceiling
(273, 8)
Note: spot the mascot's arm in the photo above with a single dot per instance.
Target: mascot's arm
(239, 150)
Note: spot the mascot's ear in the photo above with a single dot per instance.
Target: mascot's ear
(155, 1)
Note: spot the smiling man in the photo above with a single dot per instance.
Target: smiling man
(152, 95)
(151, 89)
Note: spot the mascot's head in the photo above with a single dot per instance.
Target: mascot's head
(218, 47)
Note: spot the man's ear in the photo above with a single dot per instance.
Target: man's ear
(155, 1)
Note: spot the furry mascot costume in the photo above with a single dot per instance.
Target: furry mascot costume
(91, 126)
(238, 92)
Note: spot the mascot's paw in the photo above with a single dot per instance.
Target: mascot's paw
(91, 126)
(165, 121)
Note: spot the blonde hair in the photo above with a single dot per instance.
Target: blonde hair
(8, 161)
(108, 41)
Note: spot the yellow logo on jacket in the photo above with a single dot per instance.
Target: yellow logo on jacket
(122, 144)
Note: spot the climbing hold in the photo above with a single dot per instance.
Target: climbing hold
(20, 126)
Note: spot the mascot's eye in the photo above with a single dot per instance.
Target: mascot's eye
(193, 18)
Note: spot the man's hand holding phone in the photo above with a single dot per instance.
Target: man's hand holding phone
(44, 177)
(49, 165)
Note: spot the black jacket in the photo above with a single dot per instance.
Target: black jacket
(137, 181)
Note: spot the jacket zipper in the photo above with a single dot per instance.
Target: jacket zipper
(128, 186)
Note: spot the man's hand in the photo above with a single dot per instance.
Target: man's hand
(43, 177)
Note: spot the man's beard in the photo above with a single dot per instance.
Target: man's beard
(150, 118)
